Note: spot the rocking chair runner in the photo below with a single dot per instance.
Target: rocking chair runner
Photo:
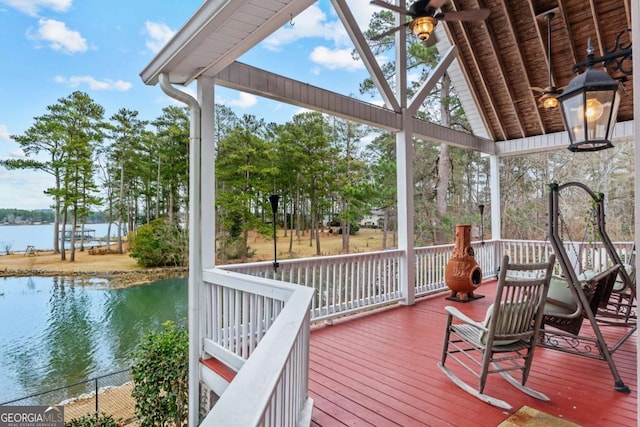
(507, 339)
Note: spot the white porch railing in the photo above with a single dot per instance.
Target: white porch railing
(583, 255)
(260, 327)
(342, 284)
(431, 262)
(526, 251)
(348, 284)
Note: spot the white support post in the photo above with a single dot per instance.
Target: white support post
(206, 98)
(206, 226)
(404, 173)
(494, 185)
(195, 268)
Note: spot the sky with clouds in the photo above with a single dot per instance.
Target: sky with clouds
(52, 48)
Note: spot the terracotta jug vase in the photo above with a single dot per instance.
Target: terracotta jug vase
(462, 275)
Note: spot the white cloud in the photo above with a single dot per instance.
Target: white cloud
(17, 154)
(362, 11)
(59, 37)
(368, 138)
(313, 22)
(335, 59)
(31, 7)
(244, 101)
(310, 23)
(4, 134)
(106, 84)
(158, 35)
(24, 189)
(9, 149)
(302, 111)
(414, 77)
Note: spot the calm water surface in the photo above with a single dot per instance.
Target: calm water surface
(18, 237)
(56, 331)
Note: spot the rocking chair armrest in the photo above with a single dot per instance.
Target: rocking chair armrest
(454, 312)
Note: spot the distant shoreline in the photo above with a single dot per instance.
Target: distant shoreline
(118, 270)
(26, 223)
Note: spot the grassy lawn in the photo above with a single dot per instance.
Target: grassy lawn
(366, 240)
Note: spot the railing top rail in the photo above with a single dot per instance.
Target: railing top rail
(548, 241)
(252, 386)
(251, 284)
(525, 241)
(390, 253)
(387, 253)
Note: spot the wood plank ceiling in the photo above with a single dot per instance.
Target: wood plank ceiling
(507, 54)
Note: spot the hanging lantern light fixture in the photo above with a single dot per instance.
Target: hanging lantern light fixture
(590, 107)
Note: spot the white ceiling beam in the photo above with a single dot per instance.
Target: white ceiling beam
(259, 82)
(429, 84)
(365, 53)
(263, 83)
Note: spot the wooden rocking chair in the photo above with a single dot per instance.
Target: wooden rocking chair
(506, 340)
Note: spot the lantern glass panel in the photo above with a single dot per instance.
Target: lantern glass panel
(598, 113)
(614, 116)
(573, 113)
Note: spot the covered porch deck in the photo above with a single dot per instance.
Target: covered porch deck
(380, 369)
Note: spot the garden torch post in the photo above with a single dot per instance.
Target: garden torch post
(481, 207)
(273, 199)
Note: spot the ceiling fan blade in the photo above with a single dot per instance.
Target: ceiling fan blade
(388, 32)
(548, 89)
(389, 6)
(437, 3)
(474, 15)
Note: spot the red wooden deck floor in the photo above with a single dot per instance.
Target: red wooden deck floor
(380, 370)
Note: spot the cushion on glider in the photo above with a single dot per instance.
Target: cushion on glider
(559, 299)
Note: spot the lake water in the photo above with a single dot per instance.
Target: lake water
(56, 331)
(18, 237)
